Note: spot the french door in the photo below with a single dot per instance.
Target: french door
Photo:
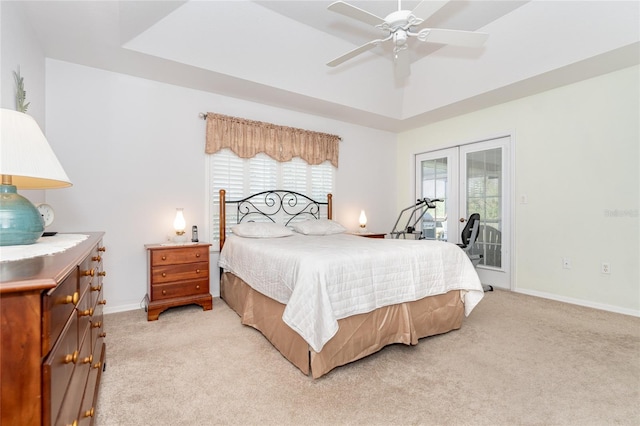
(472, 178)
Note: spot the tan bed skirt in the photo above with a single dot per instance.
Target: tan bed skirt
(357, 336)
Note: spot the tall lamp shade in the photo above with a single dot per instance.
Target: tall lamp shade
(26, 162)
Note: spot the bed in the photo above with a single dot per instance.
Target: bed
(324, 297)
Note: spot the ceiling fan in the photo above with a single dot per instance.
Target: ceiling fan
(400, 26)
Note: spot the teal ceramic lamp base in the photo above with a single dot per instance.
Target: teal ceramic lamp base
(20, 221)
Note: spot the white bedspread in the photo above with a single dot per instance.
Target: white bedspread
(325, 278)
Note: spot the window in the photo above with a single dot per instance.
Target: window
(243, 177)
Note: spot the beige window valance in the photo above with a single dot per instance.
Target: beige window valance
(247, 138)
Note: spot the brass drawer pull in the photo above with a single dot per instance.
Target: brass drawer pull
(103, 335)
(96, 258)
(97, 324)
(97, 365)
(71, 357)
(72, 299)
(86, 312)
(102, 248)
(88, 360)
(88, 273)
(89, 413)
(102, 273)
(102, 302)
(96, 288)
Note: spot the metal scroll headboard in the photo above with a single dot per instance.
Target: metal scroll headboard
(277, 206)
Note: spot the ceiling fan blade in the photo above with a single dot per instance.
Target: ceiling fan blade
(355, 52)
(455, 37)
(356, 13)
(427, 8)
(402, 67)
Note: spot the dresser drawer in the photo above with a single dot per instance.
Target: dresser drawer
(181, 289)
(188, 271)
(58, 305)
(179, 255)
(70, 406)
(88, 407)
(58, 368)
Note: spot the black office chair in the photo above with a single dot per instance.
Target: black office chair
(469, 236)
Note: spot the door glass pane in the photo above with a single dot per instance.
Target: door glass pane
(434, 185)
(484, 189)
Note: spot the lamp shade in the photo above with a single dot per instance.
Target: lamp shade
(26, 162)
(25, 154)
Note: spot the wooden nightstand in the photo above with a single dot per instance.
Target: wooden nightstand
(369, 234)
(177, 275)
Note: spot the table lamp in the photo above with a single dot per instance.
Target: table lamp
(363, 221)
(179, 224)
(26, 162)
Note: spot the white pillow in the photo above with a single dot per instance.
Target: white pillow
(261, 230)
(318, 227)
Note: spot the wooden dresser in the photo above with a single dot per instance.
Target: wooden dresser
(177, 275)
(52, 335)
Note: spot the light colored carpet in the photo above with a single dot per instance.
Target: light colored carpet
(517, 360)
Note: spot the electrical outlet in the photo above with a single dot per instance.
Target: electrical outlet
(605, 268)
(566, 263)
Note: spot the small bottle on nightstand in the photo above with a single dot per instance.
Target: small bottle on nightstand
(194, 234)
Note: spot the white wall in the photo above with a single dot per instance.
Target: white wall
(134, 150)
(21, 50)
(577, 157)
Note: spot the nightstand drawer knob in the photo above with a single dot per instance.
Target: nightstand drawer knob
(198, 287)
(197, 254)
(164, 257)
(197, 271)
(164, 274)
(164, 292)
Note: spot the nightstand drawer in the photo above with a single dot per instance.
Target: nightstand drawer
(188, 271)
(179, 255)
(181, 289)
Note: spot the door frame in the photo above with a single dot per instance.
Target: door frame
(511, 190)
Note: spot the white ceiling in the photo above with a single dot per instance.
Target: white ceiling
(274, 52)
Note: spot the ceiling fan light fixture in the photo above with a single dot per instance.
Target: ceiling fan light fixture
(400, 38)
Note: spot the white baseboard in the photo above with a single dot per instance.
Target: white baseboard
(122, 308)
(579, 302)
